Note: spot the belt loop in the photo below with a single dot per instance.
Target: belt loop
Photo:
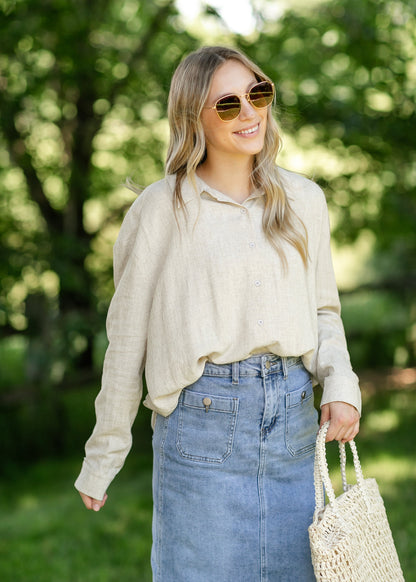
(284, 367)
(236, 372)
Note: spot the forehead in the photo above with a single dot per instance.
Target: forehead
(231, 77)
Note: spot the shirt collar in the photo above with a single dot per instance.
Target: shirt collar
(202, 189)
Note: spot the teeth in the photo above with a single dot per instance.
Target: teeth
(248, 131)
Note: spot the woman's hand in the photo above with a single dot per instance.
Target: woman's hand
(91, 503)
(345, 421)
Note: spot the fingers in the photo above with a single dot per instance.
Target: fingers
(325, 414)
(344, 421)
(91, 503)
(342, 433)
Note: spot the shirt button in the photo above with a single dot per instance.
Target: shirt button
(252, 245)
(260, 322)
(243, 210)
(257, 283)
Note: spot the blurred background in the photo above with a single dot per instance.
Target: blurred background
(83, 90)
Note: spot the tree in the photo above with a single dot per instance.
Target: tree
(82, 87)
(346, 79)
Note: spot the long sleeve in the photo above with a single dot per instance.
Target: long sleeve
(121, 391)
(333, 367)
(207, 285)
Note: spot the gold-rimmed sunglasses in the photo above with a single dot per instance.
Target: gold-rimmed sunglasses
(229, 106)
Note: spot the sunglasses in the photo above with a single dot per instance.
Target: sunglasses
(259, 96)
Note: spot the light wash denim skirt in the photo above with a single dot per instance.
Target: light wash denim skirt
(233, 476)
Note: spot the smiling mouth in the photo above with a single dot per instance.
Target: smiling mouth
(249, 131)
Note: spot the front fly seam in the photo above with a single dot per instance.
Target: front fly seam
(235, 373)
(284, 367)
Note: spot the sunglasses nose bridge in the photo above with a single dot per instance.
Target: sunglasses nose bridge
(246, 105)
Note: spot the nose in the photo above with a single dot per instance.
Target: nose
(247, 110)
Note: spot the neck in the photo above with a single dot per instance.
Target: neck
(232, 177)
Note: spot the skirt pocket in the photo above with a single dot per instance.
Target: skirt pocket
(206, 426)
(301, 421)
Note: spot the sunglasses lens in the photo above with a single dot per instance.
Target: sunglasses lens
(261, 95)
(229, 107)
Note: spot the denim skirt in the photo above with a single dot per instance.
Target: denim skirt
(233, 476)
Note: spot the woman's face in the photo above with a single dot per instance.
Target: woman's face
(243, 136)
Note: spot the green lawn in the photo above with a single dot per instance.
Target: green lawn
(47, 536)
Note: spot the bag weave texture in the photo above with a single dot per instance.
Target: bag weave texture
(350, 537)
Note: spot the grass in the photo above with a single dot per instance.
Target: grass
(47, 536)
(386, 446)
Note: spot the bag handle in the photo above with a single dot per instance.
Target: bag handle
(321, 472)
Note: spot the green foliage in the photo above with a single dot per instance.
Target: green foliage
(377, 328)
(346, 78)
(82, 91)
(83, 88)
(345, 73)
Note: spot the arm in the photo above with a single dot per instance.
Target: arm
(118, 401)
(341, 401)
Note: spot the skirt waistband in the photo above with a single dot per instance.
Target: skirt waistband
(261, 365)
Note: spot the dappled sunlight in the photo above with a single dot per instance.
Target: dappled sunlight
(84, 96)
(28, 502)
(49, 283)
(32, 281)
(390, 470)
(109, 160)
(382, 420)
(379, 101)
(56, 191)
(350, 272)
(95, 214)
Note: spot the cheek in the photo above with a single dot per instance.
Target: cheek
(215, 134)
(210, 121)
(263, 113)
(208, 134)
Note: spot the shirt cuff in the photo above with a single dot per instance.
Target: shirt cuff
(91, 484)
(341, 389)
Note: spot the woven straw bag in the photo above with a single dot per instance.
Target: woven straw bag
(350, 537)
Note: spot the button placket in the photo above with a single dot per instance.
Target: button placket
(253, 245)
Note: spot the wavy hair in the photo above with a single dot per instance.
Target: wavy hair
(189, 90)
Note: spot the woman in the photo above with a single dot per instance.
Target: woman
(225, 294)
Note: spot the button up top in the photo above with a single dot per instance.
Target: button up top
(208, 286)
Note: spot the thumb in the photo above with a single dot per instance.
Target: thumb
(97, 504)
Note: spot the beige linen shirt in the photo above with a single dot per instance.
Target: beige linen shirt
(209, 286)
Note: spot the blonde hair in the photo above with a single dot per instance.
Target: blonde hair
(189, 90)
